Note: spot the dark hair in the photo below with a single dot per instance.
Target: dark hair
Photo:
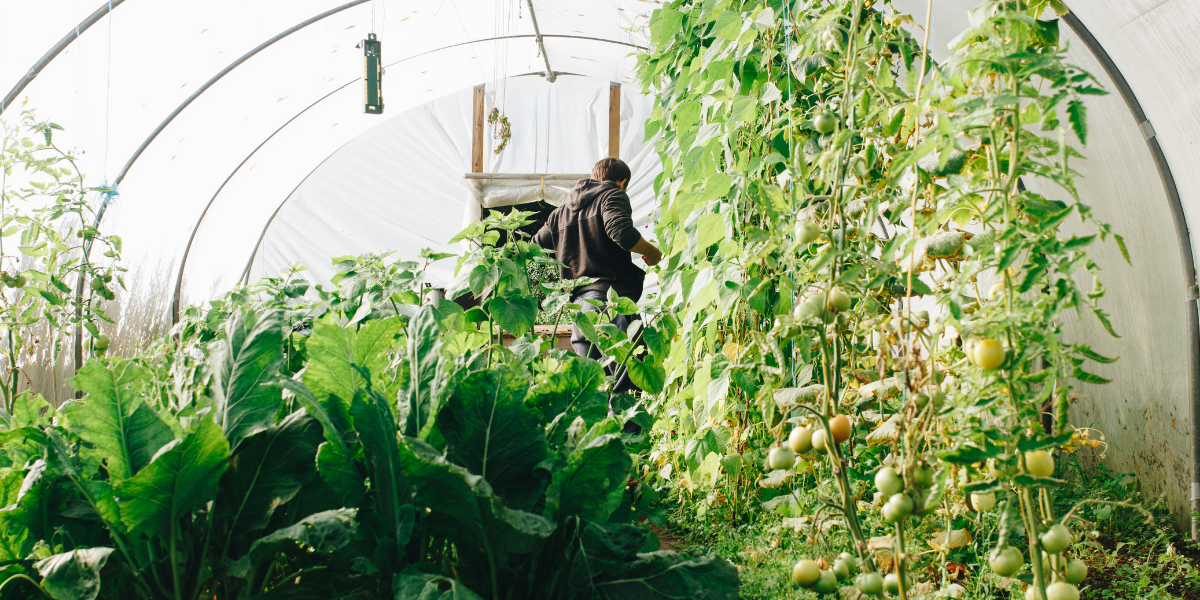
(611, 169)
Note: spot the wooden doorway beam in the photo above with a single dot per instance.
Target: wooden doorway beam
(614, 119)
(477, 132)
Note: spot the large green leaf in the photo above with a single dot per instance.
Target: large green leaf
(490, 431)
(571, 391)
(376, 427)
(323, 532)
(245, 367)
(423, 359)
(124, 430)
(648, 375)
(414, 585)
(269, 468)
(667, 576)
(340, 473)
(181, 478)
(465, 508)
(591, 484)
(73, 575)
(515, 312)
(334, 351)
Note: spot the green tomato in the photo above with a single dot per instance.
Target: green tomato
(1056, 538)
(1006, 561)
(838, 300)
(805, 573)
(1061, 590)
(800, 441)
(851, 561)
(827, 583)
(983, 502)
(939, 399)
(97, 284)
(781, 458)
(1039, 463)
(902, 506)
(101, 342)
(923, 476)
(1077, 571)
(818, 441)
(891, 583)
(870, 584)
(840, 569)
(888, 482)
(807, 232)
(825, 122)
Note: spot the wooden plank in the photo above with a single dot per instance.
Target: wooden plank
(477, 132)
(614, 120)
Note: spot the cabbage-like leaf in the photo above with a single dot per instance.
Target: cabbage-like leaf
(334, 352)
(181, 478)
(414, 585)
(124, 430)
(591, 484)
(270, 469)
(464, 507)
(492, 432)
(572, 391)
(323, 532)
(666, 575)
(245, 367)
(423, 359)
(73, 575)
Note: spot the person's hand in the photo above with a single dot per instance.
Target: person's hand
(653, 257)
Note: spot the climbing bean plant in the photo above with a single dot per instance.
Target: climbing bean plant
(862, 277)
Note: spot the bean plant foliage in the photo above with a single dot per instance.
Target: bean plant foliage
(821, 175)
(347, 443)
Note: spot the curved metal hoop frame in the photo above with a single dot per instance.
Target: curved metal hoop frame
(1181, 235)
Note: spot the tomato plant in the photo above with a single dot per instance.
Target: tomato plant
(831, 207)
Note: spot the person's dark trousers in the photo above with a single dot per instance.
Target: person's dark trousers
(585, 348)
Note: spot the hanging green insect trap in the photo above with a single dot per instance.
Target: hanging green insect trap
(374, 76)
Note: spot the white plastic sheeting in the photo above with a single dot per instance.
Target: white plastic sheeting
(400, 186)
(116, 83)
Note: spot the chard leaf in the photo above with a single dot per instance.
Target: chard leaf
(376, 427)
(246, 366)
(181, 478)
(339, 472)
(415, 585)
(593, 481)
(270, 469)
(423, 358)
(664, 575)
(73, 575)
(335, 351)
(464, 508)
(124, 430)
(572, 391)
(324, 532)
(492, 432)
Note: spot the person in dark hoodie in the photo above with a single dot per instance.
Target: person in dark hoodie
(593, 235)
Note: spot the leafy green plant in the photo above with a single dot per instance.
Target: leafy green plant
(276, 447)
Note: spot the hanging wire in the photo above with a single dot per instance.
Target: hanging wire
(108, 92)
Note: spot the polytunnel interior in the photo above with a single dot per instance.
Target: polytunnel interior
(275, 163)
